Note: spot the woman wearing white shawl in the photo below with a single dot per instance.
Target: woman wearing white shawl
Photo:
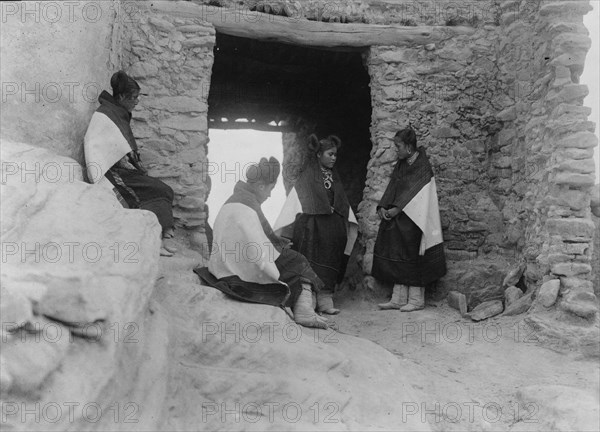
(112, 155)
(250, 262)
(409, 250)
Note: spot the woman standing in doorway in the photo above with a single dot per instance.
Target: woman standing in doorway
(409, 248)
(318, 219)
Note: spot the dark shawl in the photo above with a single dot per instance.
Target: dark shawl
(313, 195)
(396, 255)
(406, 181)
(137, 189)
(319, 233)
(119, 116)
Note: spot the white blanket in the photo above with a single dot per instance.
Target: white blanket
(424, 211)
(241, 247)
(104, 145)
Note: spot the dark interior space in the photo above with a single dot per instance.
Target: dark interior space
(301, 89)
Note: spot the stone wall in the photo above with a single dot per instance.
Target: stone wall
(542, 54)
(172, 58)
(500, 114)
(478, 105)
(404, 12)
(75, 49)
(596, 258)
(448, 92)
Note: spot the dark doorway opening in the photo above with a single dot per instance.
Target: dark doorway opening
(288, 88)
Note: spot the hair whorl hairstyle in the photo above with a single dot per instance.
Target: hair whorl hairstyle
(319, 146)
(408, 137)
(265, 171)
(123, 85)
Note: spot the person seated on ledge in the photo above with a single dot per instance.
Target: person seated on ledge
(250, 261)
(112, 153)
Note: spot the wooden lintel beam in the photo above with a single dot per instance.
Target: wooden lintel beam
(293, 30)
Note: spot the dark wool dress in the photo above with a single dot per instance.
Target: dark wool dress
(396, 256)
(320, 232)
(139, 190)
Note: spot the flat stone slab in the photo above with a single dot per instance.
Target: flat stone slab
(458, 301)
(549, 292)
(520, 306)
(486, 310)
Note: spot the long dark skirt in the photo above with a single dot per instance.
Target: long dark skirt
(396, 256)
(144, 192)
(322, 240)
(294, 270)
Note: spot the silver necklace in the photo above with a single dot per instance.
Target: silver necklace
(327, 178)
(412, 159)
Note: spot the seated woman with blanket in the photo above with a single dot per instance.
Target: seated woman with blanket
(318, 219)
(111, 153)
(249, 261)
(409, 249)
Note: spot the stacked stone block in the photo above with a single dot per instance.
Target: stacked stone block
(172, 57)
(447, 93)
(543, 49)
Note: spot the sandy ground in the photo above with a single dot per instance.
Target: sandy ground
(475, 376)
(470, 371)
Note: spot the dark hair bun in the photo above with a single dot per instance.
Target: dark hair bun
(313, 143)
(408, 137)
(266, 171)
(123, 84)
(118, 82)
(335, 140)
(317, 145)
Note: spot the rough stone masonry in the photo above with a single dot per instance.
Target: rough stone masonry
(500, 111)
